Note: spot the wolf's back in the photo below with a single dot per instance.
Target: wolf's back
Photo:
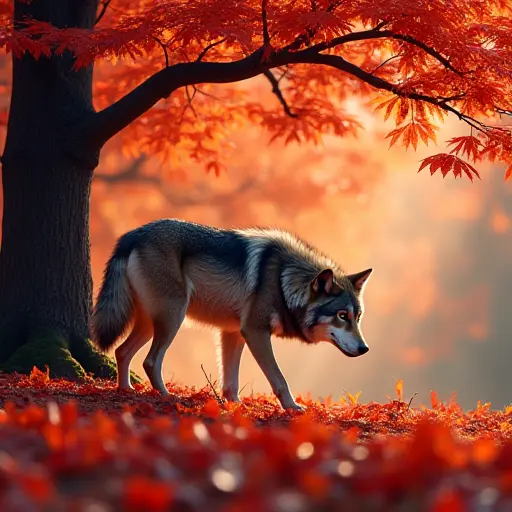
(114, 307)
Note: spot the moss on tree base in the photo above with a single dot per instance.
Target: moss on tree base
(72, 360)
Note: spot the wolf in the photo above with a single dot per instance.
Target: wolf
(249, 284)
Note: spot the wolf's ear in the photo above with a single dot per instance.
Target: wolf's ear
(323, 282)
(359, 280)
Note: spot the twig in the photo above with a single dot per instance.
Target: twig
(189, 100)
(266, 36)
(219, 399)
(243, 387)
(503, 111)
(104, 6)
(427, 49)
(275, 89)
(310, 32)
(380, 25)
(457, 97)
(206, 94)
(209, 47)
(164, 48)
(131, 173)
(410, 401)
(284, 74)
(386, 61)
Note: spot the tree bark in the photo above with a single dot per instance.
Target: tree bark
(47, 168)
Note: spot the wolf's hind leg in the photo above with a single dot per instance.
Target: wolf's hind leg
(231, 346)
(140, 335)
(165, 325)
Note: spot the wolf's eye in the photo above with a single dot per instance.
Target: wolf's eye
(343, 315)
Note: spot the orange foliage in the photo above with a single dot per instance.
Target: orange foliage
(400, 390)
(136, 451)
(418, 61)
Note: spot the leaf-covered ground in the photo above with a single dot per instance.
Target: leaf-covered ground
(86, 447)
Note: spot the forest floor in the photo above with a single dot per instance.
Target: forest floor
(87, 447)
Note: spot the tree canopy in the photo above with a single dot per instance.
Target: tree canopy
(416, 62)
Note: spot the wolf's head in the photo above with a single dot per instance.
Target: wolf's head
(334, 312)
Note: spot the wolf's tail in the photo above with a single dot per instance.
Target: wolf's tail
(115, 306)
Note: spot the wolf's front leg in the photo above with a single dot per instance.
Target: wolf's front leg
(260, 346)
(231, 347)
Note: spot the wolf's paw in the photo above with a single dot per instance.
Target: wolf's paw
(121, 388)
(230, 396)
(296, 407)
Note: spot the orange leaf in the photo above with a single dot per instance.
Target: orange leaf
(508, 174)
(389, 104)
(351, 435)
(53, 435)
(446, 162)
(395, 134)
(211, 408)
(69, 413)
(353, 398)
(402, 112)
(39, 377)
(414, 136)
(484, 451)
(215, 167)
(399, 388)
(142, 493)
(466, 145)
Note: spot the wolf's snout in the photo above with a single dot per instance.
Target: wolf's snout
(363, 349)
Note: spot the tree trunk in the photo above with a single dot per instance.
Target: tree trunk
(47, 168)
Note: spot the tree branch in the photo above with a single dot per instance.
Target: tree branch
(208, 48)
(340, 63)
(310, 33)
(275, 89)
(375, 33)
(104, 7)
(201, 196)
(111, 120)
(503, 111)
(427, 49)
(266, 36)
(383, 63)
(106, 123)
(131, 173)
(311, 57)
(164, 48)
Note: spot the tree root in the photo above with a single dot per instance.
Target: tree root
(73, 360)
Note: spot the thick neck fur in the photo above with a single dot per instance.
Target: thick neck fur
(298, 264)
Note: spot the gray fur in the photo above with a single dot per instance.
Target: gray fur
(114, 307)
(248, 284)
